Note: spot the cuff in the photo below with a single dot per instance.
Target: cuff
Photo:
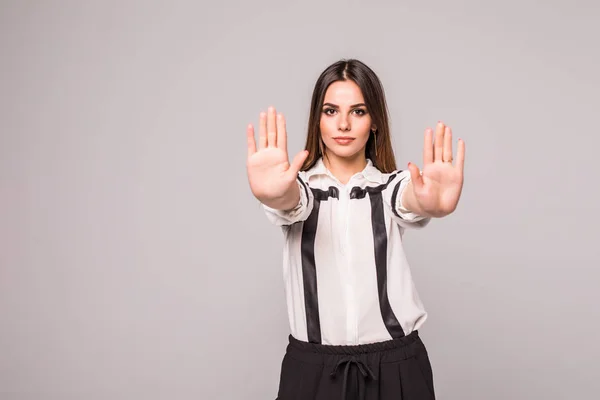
(293, 213)
(399, 208)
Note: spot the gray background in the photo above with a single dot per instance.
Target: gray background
(135, 263)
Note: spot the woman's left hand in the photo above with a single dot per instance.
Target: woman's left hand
(437, 189)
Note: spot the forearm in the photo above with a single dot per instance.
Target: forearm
(289, 200)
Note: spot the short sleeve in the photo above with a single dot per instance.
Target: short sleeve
(392, 196)
(299, 213)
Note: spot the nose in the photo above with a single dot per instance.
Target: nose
(343, 124)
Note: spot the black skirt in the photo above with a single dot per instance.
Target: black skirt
(397, 369)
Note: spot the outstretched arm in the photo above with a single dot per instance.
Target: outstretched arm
(273, 180)
(436, 190)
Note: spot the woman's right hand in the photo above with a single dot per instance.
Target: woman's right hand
(271, 176)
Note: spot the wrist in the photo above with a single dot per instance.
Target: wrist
(409, 203)
(290, 199)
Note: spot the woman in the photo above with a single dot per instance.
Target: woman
(343, 207)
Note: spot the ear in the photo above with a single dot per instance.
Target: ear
(373, 127)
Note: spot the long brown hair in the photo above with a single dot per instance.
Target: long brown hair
(372, 90)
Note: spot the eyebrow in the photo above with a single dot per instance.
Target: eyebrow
(352, 106)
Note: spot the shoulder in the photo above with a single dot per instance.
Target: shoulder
(303, 175)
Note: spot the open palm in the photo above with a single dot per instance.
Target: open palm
(270, 173)
(438, 187)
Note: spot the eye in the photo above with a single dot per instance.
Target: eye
(360, 111)
(327, 111)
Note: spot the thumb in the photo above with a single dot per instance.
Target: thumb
(298, 161)
(415, 175)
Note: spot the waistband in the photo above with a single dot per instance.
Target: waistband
(387, 351)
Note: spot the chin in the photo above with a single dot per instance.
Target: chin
(344, 151)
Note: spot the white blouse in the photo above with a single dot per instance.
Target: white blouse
(347, 279)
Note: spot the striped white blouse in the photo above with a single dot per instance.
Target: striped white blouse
(347, 279)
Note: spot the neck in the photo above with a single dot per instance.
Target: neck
(344, 167)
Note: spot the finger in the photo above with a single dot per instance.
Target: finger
(447, 153)
(262, 130)
(428, 147)
(271, 128)
(415, 175)
(251, 141)
(438, 144)
(297, 162)
(281, 133)
(460, 155)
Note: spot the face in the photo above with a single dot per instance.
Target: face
(345, 121)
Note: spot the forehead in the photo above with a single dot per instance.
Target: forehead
(343, 92)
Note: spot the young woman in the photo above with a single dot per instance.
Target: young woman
(353, 309)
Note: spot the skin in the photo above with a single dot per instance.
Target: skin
(344, 114)
(433, 192)
(271, 176)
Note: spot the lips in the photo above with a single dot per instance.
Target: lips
(343, 139)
